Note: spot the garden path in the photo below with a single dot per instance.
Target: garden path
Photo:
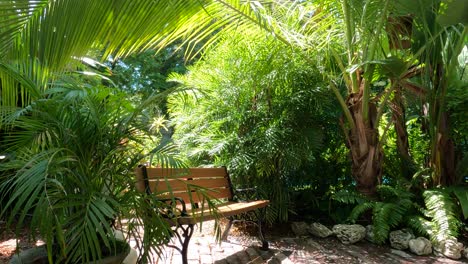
(284, 248)
(241, 249)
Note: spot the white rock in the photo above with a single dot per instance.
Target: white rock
(370, 233)
(399, 239)
(319, 230)
(300, 228)
(449, 248)
(349, 234)
(465, 252)
(420, 246)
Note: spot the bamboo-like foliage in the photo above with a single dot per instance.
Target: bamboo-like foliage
(254, 106)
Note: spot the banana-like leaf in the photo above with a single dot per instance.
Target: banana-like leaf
(462, 195)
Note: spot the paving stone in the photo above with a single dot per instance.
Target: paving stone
(206, 259)
(243, 256)
(400, 253)
(253, 254)
(232, 259)
(283, 259)
(257, 260)
(266, 254)
(273, 261)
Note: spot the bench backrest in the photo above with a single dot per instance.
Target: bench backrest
(167, 182)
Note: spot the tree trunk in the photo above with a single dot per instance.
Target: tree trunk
(443, 156)
(443, 149)
(363, 142)
(398, 117)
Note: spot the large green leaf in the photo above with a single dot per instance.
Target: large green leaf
(462, 195)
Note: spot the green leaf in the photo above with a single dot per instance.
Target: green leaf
(462, 195)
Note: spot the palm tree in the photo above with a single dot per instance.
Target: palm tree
(40, 39)
(357, 37)
(70, 178)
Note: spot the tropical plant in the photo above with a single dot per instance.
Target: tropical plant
(438, 215)
(41, 39)
(256, 108)
(371, 32)
(394, 208)
(70, 175)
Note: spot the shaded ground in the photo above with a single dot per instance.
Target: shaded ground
(241, 248)
(8, 242)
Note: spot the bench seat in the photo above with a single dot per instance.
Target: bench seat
(223, 210)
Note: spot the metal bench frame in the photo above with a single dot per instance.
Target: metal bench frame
(170, 186)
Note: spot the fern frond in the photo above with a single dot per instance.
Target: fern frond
(388, 193)
(359, 209)
(385, 216)
(443, 210)
(419, 224)
(349, 197)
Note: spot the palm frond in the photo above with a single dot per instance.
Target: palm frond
(14, 15)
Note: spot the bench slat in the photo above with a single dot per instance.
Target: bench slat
(178, 185)
(224, 210)
(196, 198)
(154, 173)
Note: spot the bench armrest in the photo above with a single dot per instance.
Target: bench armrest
(172, 200)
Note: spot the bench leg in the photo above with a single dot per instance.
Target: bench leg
(226, 231)
(261, 233)
(184, 240)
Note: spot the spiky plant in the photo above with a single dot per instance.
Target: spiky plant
(437, 216)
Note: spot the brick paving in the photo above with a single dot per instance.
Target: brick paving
(243, 249)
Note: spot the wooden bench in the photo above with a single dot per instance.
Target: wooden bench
(181, 185)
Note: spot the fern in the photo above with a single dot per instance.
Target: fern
(386, 216)
(420, 225)
(359, 209)
(348, 197)
(443, 211)
(387, 213)
(388, 193)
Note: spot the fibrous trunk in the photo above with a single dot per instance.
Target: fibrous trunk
(363, 142)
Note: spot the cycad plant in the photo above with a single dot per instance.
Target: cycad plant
(69, 176)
